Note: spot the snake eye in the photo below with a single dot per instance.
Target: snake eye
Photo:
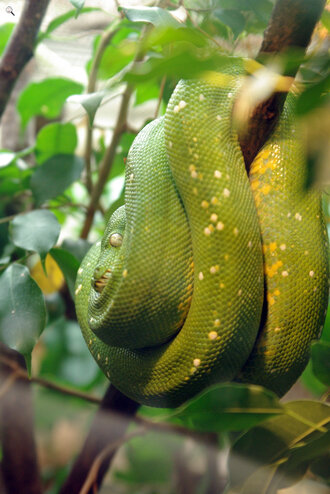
(116, 240)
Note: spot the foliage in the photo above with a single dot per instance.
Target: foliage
(48, 186)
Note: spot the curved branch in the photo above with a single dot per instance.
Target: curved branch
(291, 26)
(20, 47)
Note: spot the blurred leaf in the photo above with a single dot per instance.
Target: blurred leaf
(116, 56)
(184, 62)
(36, 231)
(55, 175)
(321, 361)
(69, 266)
(150, 460)
(277, 453)
(310, 381)
(314, 96)
(232, 18)
(90, 102)
(228, 407)
(145, 92)
(58, 21)
(49, 280)
(14, 179)
(5, 33)
(325, 19)
(77, 247)
(22, 310)
(45, 98)
(54, 139)
(78, 4)
(68, 357)
(155, 15)
(164, 36)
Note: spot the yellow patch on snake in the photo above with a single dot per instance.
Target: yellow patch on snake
(273, 269)
(213, 335)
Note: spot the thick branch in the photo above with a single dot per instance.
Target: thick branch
(106, 429)
(20, 47)
(291, 26)
(19, 463)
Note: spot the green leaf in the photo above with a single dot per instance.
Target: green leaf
(321, 361)
(310, 381)
(78, 247)
(154, 15)
(90, 102)
(69, 266)
(5, 33)
(55, 138)
(149, 461)
(314, 96)
(45, 98)
(55, 175)
(58, 21)
(232, 18)
(146, 92)
(22, 310)
(68, 358)
(325, 19)
(78, 4)
(184, 62)
(228, 407)
(36, 231)
(277, 453)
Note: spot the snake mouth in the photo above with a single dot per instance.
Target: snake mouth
(100, 283)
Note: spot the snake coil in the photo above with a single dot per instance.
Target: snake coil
(205, 274)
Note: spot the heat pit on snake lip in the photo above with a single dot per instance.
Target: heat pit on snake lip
(100, 282)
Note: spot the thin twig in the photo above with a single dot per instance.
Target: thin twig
(106, 37)
(22, 374)
(160, 97)
(93, 472)
(107, 161)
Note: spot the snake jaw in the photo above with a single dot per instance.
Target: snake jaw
(100, 282)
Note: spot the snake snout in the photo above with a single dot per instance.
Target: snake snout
(100, 280)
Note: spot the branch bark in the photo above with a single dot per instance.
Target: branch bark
(290, 27)
(19, 465)
(20, 47)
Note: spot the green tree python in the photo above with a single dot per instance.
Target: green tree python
(206, 274)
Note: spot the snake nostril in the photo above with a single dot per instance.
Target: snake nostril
(100, 279)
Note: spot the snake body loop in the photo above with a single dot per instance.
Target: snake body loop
(206, 275)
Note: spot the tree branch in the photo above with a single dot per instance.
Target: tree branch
(20, 47)
(106, 429)
(291, 26)
(19, 466)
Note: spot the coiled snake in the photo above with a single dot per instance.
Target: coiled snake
(171, 299)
